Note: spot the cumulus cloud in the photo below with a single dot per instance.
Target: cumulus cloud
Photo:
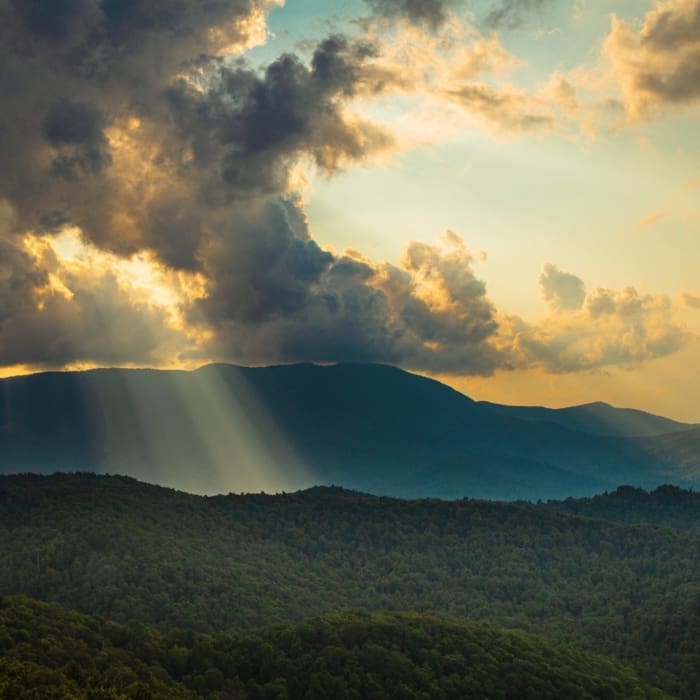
(122, 121)
(189, 159)
(124, 124)
(595, 329)
(53, 313)
(561, 290)
(659, 64)
(430, 312)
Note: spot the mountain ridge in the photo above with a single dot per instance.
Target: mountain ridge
(372, 428)
(598, 417)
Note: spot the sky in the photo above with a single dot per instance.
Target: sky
(501, 194)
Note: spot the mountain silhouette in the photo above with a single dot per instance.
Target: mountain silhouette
(598, 418)
(373, 428)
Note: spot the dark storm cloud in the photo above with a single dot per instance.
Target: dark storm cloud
(245, 133)
(49, 18)
(431, 313)
(121, 119)
(260, 266)
(68, 70)
(72, 123)
(62, 20)
(290, 110)
(75, 131)
(195, 173)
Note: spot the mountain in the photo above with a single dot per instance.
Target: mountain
(367, 427)
(353, 655)
(123, 550)
(597, 418)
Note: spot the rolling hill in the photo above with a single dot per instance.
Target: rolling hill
(666, 505)
(50, 652)
(123, 550)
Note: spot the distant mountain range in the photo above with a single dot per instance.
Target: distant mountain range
(597, 418)
(372, 428)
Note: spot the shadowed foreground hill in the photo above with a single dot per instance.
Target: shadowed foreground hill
(48, 652)
(121, 549)
(372, 428)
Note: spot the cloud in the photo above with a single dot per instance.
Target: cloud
(126, 126)
(561, 290)
(651, 220)
(74, 75)
(459, 74)
(690, 300)
(429, 313)
(430, 12)
(562, 93)
(507, 110)
(604, 328)
(75, 131)
(510, 14)
(507, 14)
(659, 65)
(162, 149)
(53, 313)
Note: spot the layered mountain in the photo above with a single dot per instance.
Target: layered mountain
(598, 418)
(368, 427)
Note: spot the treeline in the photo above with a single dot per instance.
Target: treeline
(48, 652)
(668, 505)
(123, 550)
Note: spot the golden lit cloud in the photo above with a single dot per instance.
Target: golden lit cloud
(594, 329)
(659, 64)
(691, 300)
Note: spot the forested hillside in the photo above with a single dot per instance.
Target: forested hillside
(50, 652)
(124, 550)
(666, 505)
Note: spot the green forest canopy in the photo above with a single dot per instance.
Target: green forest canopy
(124, 550)
(49, 652)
